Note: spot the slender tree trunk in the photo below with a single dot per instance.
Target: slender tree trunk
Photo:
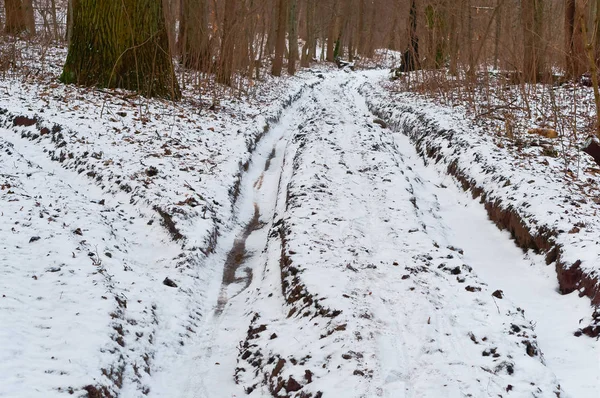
(54, 20)
(597, 32)
(498, 31)
(591, 54)
(332, 35)
(371, 42)
(471, 71)
(306, 50)
(121, 44)
(410, 59)
(194, 46)
(69, 28)
(293, 37)
(533, 61)
(574, 41)
(29, 16)
(280, 39)
(170, 19)
(225, 69)
(274, 20)
(361, 37)
(454, 42)
(15, 17)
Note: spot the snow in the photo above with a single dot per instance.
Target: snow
(319, 255)
(86, 304)
(548, 192)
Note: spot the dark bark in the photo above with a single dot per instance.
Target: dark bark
(15, 17)
(225, 70)
(410, 58)
(575, 57)
(293, 37)
(332, 35)
(362, 34)
(193, 40)
(29, 16)
(592, 148)
(533, 55)
(280, 38)
(121, 44)
(306, 50)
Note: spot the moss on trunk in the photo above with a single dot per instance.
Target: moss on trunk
(121, 44)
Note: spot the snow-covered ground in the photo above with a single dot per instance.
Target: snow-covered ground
(340, 265)
(360, 277)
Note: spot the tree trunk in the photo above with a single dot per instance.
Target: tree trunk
(371, 43)
(225, 70)
(590, 50)
(410, 59)
(54, 20)
(574, 42)
(194, 45)
(121, 44)
(293, 37)
(471, 54)
(280, 39)
(332, 33)
(29, 16)
(362, 37)
(454, 42)
(498, 30)
(69, 28)
(306, 50)
(15, 17)
(169, 9)
(597, 32)
(533, 57)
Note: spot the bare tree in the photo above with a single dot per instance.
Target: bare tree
(15, 17)
(193, 39)
(225, 68)
(280, 38)
(532, 12)
(293, 37)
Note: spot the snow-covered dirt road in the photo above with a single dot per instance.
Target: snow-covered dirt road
(357, 271)
(349, 269)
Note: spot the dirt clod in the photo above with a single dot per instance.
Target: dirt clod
(169, 282)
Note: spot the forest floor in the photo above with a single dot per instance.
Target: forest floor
(289, 245)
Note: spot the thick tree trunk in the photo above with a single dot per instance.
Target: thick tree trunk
(194, 44)
(15, 17)
(533, 56)
(293, 37)
(121, 44)
(280, 38)
(225, 70)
